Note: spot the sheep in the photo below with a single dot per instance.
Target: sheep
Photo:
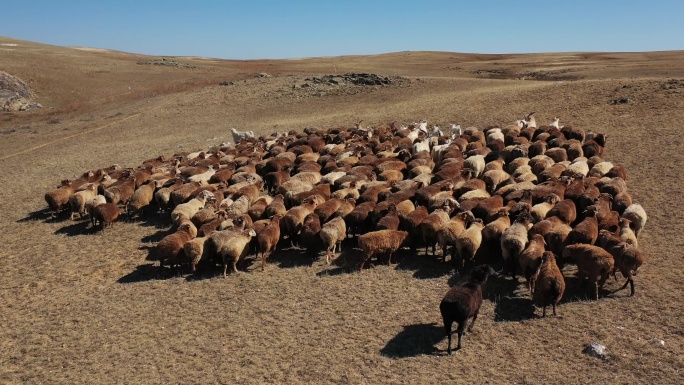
(585, 231)
(204, 177)
(241, 135)
(309, 233)
(357, 220)
(463, 302)
(628, 259)
(448, 234)
(181, 194)
(565, 210)
(268, 239)
(540, 210)
(78, 200)
(637, 215)
(498, 223)
(626, 233)
(239, 207)
(170, 246)
(380, 242)
(106, 214)
(455, 130)
(276, 207)
(142, 196)
(514, 240)
(294, 218)
(211, 226)
(593, 263)
(91, 204)
(231, 246)
(121, 192)
(203, 216)
(185, 211)
(475, 163)
(549, 284)
(531, 258)
(389, 221)
(469, 241)
(431, 225)
(332, 234)
(59, 198)
(258, 208)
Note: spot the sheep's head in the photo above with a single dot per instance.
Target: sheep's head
(538, 238)
(548, 257)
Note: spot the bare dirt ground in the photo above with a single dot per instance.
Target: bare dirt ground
(88, 308)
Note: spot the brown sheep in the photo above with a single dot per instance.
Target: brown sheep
(585, 231)
(411, 224)
(514, 240)
(498, 223)
(548, 284)
(59, 198)
(230, 245)
(276, 207)
(390, 221)
(106, 214)
(381, 242)
(328, 208)
(209, 227)
(463, 302)
(309, 233)
(170, 246)
(531, 258)
(448, 234)
(593, 263)
(628, 259)
(358, 219)
(292, 221)
(431, 225)
(469, 241)
(268, 239)
(565, 210)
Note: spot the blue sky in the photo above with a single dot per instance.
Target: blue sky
(287, 29)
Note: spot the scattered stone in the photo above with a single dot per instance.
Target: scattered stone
(596, 350)
(166, 62)
(621, 101)
(659, 342)
(262, 75)
(226, 83)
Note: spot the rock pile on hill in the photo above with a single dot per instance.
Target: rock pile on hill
(360, 79)
(15, 94)
(166, 62)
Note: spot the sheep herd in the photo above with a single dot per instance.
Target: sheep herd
(534, 197)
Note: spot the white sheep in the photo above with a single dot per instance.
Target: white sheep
(456, 131)
(185, 211)
(240, 135)
(475, 163)
(423, 145)
(636, 213)
(555, 122)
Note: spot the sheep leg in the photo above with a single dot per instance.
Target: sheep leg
(225, 269)
(596, 292)
(328, 256)
(472, 323)
(264, 256)
(544, 311)
(461, 326)
(447, 329)
(553, 306)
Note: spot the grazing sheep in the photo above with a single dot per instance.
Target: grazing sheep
(498, 223)
(239, 207)
(59, 198)
(565, 210)
(293, 220)
(626, 233)
(514, 240)
(230, 246)
(585, 231)
(268, 239)
(531, 258)
(168, 249)
(381, 242)
(540, 210)
(628, 258)
(593, 263)
(463, 302)
(78, 200)
(276, 207)
(548, 285)
(469, 241)
(309, 233)
(636, 213)
(185, 211)
(193, 250)
(106, 214)
(91, 204)
(142, 196)
(390, 221)
(358, 219)
(431, 225)
(332, 234)
(448, 234)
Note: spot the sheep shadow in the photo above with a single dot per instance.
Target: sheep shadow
(340, 263)
(289, 257)
(39, 215)
(147, 272)
(77, 228)
(414, 340)
(424, 266)
(157, 236)
(149, 220)
(508, 307)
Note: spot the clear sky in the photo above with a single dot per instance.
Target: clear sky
(253, 29)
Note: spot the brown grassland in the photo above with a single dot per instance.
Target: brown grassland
(88, 308)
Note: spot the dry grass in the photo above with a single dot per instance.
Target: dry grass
(84, 308)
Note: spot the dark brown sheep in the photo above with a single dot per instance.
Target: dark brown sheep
(268, 239)
(106, 214)
(548, 284)
(463, 302)
(381, 242)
